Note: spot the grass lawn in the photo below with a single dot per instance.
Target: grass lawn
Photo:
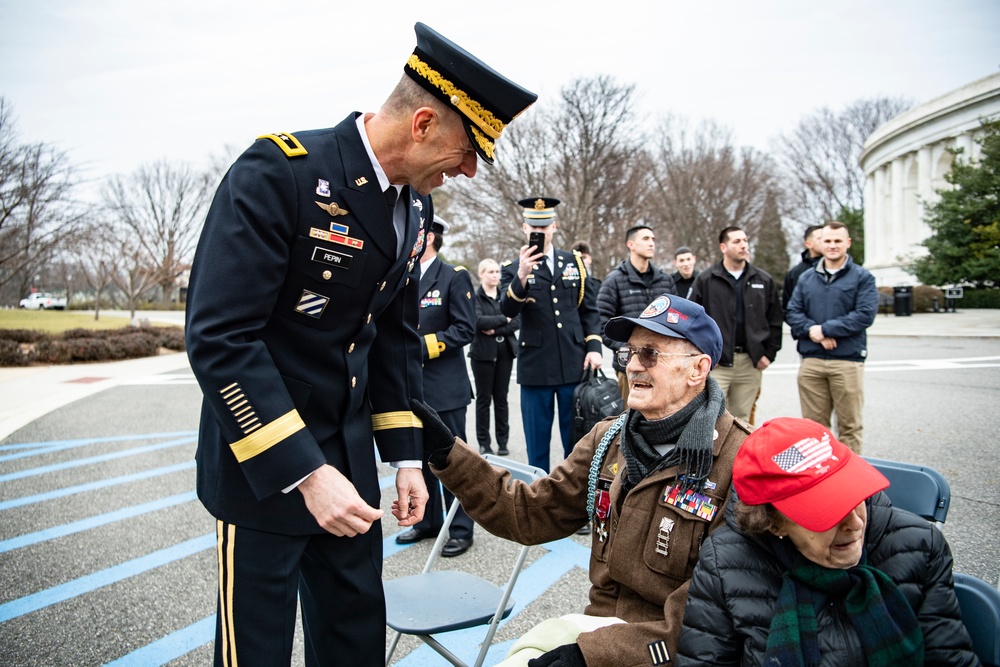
(56, 321)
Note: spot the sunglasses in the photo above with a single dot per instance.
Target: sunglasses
(647, 355)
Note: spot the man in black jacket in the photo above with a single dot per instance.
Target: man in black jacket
(810, 256)
(684, 261)
(630, 287)
(447, 325)
(744, 301)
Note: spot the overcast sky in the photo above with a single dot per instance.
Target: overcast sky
(117, 83)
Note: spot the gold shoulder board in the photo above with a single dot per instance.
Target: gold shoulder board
(460, 268)
(286, 142)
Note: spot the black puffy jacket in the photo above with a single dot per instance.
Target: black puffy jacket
(623, 292)
(736, 582)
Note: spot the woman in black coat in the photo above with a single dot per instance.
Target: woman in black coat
(815, 567)
(492, 353)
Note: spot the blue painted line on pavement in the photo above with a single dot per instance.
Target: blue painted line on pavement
(170, 647)
(135, 451)
(534, 580)
(95, 521)
(91, 486)
(79, 442)
(31, 451)
(111, 575)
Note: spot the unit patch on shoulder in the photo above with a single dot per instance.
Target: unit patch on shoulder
(287, 143)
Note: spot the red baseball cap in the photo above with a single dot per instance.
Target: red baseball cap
(806, 473)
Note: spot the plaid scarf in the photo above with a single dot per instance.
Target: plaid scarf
(878, 612)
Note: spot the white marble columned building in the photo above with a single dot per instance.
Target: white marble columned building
(905, 161)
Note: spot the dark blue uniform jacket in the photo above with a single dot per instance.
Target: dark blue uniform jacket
(559, 320)
(447, 324)
(302, 327)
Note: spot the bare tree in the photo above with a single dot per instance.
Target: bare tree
(704, 184)
(99, 263)
(159, 210)
(38, 216)
(584, 151)
(819, 159)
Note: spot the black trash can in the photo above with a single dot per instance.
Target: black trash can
(902, 301)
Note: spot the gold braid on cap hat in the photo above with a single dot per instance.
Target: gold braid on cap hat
(485, 121)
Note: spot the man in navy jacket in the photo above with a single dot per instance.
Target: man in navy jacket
(831, 308)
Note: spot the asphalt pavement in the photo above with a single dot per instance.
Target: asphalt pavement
(92, 577)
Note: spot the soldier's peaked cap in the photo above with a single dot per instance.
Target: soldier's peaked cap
(485, 99)
(539, 211)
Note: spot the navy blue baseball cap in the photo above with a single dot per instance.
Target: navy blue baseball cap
(672, 316)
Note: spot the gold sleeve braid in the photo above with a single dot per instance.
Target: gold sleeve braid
(384, 421)
(268, 436)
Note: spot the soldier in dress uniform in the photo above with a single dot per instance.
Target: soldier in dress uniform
(560, 328)
(302, 332)
(447, 324)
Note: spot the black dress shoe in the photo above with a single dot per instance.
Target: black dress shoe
(456, 546)
(414, 535)
(485, 450)
(502, 451)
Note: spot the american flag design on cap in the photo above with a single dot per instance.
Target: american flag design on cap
(805, 454)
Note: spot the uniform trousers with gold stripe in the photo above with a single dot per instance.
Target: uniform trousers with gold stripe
(339, 582)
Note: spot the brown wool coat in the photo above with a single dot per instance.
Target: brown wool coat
(629, 578)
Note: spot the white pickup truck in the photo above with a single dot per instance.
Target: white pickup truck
(43, 301)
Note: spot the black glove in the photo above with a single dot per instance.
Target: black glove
(567, 655)
(438, 438)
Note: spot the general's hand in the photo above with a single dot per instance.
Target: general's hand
(593, 360)
(437, 436)
(763, 363)
(411, 494)
(332, 499)
(567, 655)
(816, 333)
(828, 343)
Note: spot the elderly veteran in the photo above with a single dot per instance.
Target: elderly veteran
(815, 566)
(653, 481)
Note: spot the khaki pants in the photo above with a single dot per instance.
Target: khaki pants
(833, 385)
(740, 384)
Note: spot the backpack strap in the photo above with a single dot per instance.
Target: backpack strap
(598, 461)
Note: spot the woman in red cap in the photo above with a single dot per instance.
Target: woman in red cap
(815, 567)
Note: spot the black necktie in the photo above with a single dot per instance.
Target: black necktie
(390, 198)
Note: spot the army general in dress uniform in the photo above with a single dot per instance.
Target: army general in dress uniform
(302, 332)
(560, 328)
